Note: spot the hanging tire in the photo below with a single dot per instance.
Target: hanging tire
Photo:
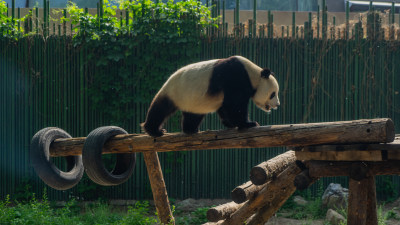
(94, 166)
(47, 171)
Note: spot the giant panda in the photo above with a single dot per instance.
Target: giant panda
(221, 85)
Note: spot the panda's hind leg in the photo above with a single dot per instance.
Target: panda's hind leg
(160, 109)
(224, 118)
(191, 122)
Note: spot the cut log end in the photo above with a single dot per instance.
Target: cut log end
(213, 215)
(238, 195)
(258, 175)
(390, 131)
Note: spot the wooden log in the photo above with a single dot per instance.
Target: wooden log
(334, 169)
(267, 211)
(158, 187)
(372, 217)
(265, 171)
(343, 132)
(222, 212)
(395, 145)
(274, 194)
(245, 192)
(357, 203)
(341, 156)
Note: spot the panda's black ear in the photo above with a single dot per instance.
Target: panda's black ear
(265, 73)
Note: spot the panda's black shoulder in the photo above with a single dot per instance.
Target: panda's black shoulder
(229, 75)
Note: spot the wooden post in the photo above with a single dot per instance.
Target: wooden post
(357, 207)
(372, 218)
(158, 187)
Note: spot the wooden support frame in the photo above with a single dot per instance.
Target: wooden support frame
(271, 196)
(158, 187)
(362, 202)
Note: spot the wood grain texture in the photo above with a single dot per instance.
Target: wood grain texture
(342, 132)
(334, 169)
(158, 188)
(265, 171)
(245, 192)
(340, 156)
(357, 203)
(222, 212)
(274, 194)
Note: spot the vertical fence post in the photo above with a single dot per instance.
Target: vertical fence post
(324, 20)
(65, 23)
(318, 23)
(293, 24)
(347, 20)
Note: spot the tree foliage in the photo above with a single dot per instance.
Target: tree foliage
(145, 38)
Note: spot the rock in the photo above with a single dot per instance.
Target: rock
(300, 200)
(334, 217)
(335, 196)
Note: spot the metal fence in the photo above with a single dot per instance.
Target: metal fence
(43, 83)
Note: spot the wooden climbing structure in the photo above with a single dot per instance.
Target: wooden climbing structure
(359, 149)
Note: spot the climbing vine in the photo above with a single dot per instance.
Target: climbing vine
(142, 48)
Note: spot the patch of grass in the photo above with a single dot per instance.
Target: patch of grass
(312, 210)
(37, 212)
(199, 216)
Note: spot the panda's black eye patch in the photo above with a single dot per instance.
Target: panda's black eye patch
(272, 95)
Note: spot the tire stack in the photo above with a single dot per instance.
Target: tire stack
(90, 160)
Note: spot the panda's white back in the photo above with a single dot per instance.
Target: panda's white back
(188, 86)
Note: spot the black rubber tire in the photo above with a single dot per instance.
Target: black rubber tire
(47, 171)
(91, 155)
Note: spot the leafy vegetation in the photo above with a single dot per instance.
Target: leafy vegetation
(9, 27)
(145, 38)
(40, 212)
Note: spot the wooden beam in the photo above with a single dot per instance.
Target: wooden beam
(340, 156)
(158, 188)
(395, 145)
(342, 132)
(349, 155)
(264, 172)
(335, 169)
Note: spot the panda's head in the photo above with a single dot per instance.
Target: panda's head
(266, 96)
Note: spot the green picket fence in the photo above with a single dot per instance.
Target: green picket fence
(44, 83)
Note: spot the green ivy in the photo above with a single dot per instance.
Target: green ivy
(8, 26)
(134, 55)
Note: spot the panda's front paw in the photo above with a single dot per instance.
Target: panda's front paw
(248, 125)
(156, 133)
